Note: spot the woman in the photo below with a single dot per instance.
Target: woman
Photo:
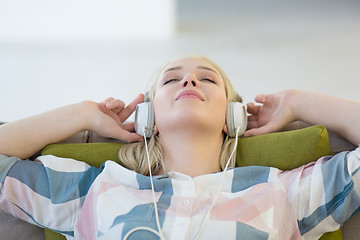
(193, 199)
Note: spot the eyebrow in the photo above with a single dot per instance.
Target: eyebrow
(208, 68)
(172, 69)
(199, 67)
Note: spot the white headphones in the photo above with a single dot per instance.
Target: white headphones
(235, 118)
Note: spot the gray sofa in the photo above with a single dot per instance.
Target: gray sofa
(15, 229)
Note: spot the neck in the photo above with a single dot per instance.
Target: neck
(191, 153)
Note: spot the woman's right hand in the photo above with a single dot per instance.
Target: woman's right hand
(25, 137)
(107, 119)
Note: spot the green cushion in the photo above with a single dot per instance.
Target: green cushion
(94, 154)
(283, 150)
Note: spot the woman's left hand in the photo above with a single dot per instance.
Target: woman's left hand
(274, 113)
(279, 109)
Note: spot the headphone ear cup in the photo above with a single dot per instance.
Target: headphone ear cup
(236, 118)
(144, 119)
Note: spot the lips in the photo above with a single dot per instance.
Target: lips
(189, 94)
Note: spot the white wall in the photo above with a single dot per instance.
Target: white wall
(86, 19)
(63, 51)
(264, 46)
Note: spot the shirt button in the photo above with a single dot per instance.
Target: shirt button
(186, 202)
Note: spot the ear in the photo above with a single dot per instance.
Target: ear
(156, 130)
(225, 129)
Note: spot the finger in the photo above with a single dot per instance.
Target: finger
(252, 108)
(118, 106)
(261, 98)
(268, 128)
(130, 127)
(126, 112)
(110, 113)
(252, 124)
(253, 132)
(127, 136)
(253, 118)
(114, 104)
(107, 102)
(133, 137)
(109, 99)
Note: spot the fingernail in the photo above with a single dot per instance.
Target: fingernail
(246, 134)
(261, 99)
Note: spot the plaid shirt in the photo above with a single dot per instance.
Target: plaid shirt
(255, 202)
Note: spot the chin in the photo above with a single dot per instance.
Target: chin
(189, 116)
(194, 122)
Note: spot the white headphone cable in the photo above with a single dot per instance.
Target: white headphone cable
(206, 219)
(159, 233)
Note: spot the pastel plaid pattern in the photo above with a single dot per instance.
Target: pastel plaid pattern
(85, 202)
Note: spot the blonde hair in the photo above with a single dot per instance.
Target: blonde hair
(133, 156)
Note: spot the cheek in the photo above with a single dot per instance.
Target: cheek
(161, 107)
(222, 110)
(220, 102)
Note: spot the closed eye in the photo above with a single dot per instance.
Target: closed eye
(209, 80)
(170, 80)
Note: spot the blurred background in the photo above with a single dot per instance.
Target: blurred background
(59, 52)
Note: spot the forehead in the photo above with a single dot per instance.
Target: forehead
(189, 63)
(186, 64)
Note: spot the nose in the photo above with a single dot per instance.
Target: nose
(189, 80)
